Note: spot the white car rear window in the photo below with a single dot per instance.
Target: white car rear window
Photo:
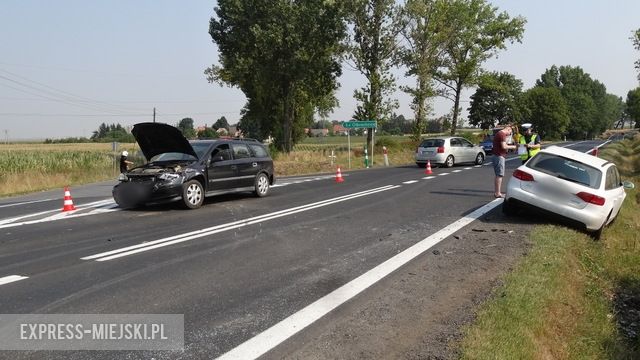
(566, 169)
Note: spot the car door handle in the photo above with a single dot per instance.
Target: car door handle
(254, 164)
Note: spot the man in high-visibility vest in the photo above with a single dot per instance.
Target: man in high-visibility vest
(529, 143)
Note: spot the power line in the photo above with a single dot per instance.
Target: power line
(62, 95)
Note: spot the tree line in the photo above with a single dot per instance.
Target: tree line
(286, 57)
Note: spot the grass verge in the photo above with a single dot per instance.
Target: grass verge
(570, 298)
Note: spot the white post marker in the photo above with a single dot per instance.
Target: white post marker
(386, 157)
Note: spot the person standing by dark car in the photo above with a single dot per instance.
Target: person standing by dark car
(124, 163)
(500, 148)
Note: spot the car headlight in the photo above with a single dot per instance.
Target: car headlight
(168, 177)
(123, 177)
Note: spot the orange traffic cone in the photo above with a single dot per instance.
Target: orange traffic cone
(339, 178)
(68, 202)
(428, 170)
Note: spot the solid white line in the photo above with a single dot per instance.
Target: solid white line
(25, 203)
(14, 219)
(410, 182)
(60, 215)
(270, 338)
(11, 278)
(229, 226)
(236, 226)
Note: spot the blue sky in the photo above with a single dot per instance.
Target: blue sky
(69, 65)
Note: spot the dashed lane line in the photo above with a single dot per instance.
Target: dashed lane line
(11, 278)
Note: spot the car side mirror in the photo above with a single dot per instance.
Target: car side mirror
(628, 185)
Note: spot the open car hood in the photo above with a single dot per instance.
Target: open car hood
(157, 138)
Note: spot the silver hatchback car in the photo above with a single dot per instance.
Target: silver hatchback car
(448, 151)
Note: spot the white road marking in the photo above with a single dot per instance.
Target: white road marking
(11, 278)
(14, 219)
(410, 182)
(134, 249)
(443, 174)
(456, 171)
(467, 168)
(25, 203)
(428, 177)
(100, 205)
(270, 338)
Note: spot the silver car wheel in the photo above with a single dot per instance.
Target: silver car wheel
(449, 161)
(262, 185)
(479, 159)
(193, 195)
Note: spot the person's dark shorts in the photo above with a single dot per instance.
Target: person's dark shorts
(498, 165)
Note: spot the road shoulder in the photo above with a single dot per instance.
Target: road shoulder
(419, 310)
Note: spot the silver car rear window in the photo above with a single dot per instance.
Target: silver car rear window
(566, 169)
(432, 143)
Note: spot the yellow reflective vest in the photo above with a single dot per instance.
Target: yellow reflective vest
(530, 152)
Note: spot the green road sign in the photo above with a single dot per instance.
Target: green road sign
(359, 124)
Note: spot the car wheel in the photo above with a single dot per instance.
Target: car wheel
(261, 185)
(449, 161)
(596, 235)
(479, 159)
(192, 194)
(509, 208)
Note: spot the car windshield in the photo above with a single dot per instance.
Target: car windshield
(173, 156)
(566, 169)
(432, 143)
(200, 148)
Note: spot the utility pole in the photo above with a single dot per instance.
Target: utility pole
(6, 136)
(154, 114)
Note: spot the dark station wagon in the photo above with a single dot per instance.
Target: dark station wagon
(187, 171)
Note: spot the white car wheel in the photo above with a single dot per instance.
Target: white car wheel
(261, 185)
(193, 195)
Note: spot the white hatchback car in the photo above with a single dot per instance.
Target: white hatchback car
(448, 151)
(581, 189)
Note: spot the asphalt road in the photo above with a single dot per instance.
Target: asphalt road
(235, 267)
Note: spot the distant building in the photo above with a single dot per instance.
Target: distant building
(339, 129)
(317, 132)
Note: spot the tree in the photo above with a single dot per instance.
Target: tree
(284, 56)
(221, 124)
(636, 43)
(589, 110)
(547, 110)
(633, 105)
(113, 132)
(372, 49)
(186, 127)
(479, 33)
(426, 32)
(495, 100)
(397, 125)
(208, 133)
